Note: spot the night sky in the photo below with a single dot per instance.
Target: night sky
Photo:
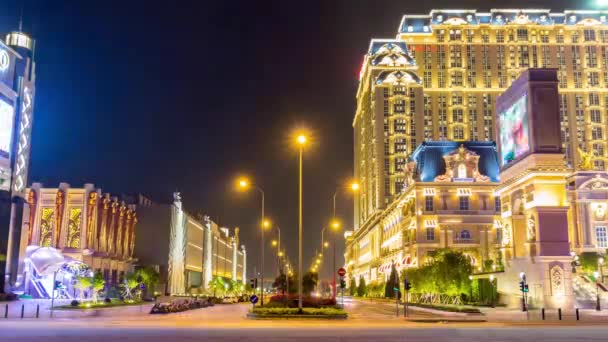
(153, 97)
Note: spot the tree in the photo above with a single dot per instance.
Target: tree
(352, 287)
(392, 283)
(149, 277)
(447, 273)
(82, 283)
(129, 284)
(309, 282)
(362, 288)
(98, 283)
(588, 261)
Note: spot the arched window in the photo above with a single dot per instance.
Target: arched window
(462, 171)
(465, 235)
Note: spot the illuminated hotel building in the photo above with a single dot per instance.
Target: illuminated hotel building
(439, 79)
(188, 250)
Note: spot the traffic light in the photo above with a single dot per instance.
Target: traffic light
(407, 285)
(522, 286)
(254, 283)
(526, 288)
(342, 284)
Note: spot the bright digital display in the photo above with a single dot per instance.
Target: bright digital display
(514, 131)
(6, 128)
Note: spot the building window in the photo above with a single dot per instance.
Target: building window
(522, 35)
(464, 202)
(455, 35)
(485, 36)
(457, 79)
(597, 133)
(598, 149)
(457, 115)
(455, 56)
(441, 79)
(599, 165)
(600, 236)
(595, 116)
(591, 56)
(589, 35)
(428, 79)
(497, 205)
(500, 36)
(430, 234)
(464, 235)
(594, 99)
(593, 79)
(428, 203)
(458, 133)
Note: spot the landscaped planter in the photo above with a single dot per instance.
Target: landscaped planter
(292, 313)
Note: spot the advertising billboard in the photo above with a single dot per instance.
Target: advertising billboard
(6, 128)
(514, 130)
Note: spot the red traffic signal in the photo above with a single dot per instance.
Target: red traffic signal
(341, 272)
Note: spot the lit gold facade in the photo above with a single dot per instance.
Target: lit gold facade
(440, 77)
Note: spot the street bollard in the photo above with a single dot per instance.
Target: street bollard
(6, 311)
(542, 313)
(37, 310)
(559, 314)
(578, 317)
(22, 310)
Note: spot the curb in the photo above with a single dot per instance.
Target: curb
(323, 317)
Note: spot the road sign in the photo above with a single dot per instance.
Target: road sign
(341, 272)
(253, 299)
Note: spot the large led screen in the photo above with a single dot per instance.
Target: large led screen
(6, 128)
(514, 131)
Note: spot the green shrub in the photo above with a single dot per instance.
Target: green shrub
(448, 308)
(588, 261)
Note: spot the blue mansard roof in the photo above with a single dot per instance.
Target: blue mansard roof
(430, 163)
(424, 23)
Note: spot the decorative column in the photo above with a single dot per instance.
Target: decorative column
(207, 262)
(177, 248)
(244, 264)
(235, 253)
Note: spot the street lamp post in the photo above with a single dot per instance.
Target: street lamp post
(335, 225)
(597, 291)
(301, 140)
(243, 183)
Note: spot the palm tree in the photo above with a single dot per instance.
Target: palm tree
(98, 282)
(129, 284)
(82, 283)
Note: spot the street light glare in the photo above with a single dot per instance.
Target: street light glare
(266, 224)
(354, 186)
(242, 183)
(335, 224)
(302, 139)
(326, 244)
(274, 243)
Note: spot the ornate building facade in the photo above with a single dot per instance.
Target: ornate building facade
(440, 77)
(81, 225)
(448, 202)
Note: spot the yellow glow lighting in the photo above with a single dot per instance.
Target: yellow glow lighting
(354, 186)
(266, 224)
(301, 139)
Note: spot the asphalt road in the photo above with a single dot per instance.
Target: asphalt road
(368, 322)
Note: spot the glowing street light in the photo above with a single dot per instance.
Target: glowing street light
(354, 186)
(301, 141)
(326, 244)
(274, 243)
(244, 184)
